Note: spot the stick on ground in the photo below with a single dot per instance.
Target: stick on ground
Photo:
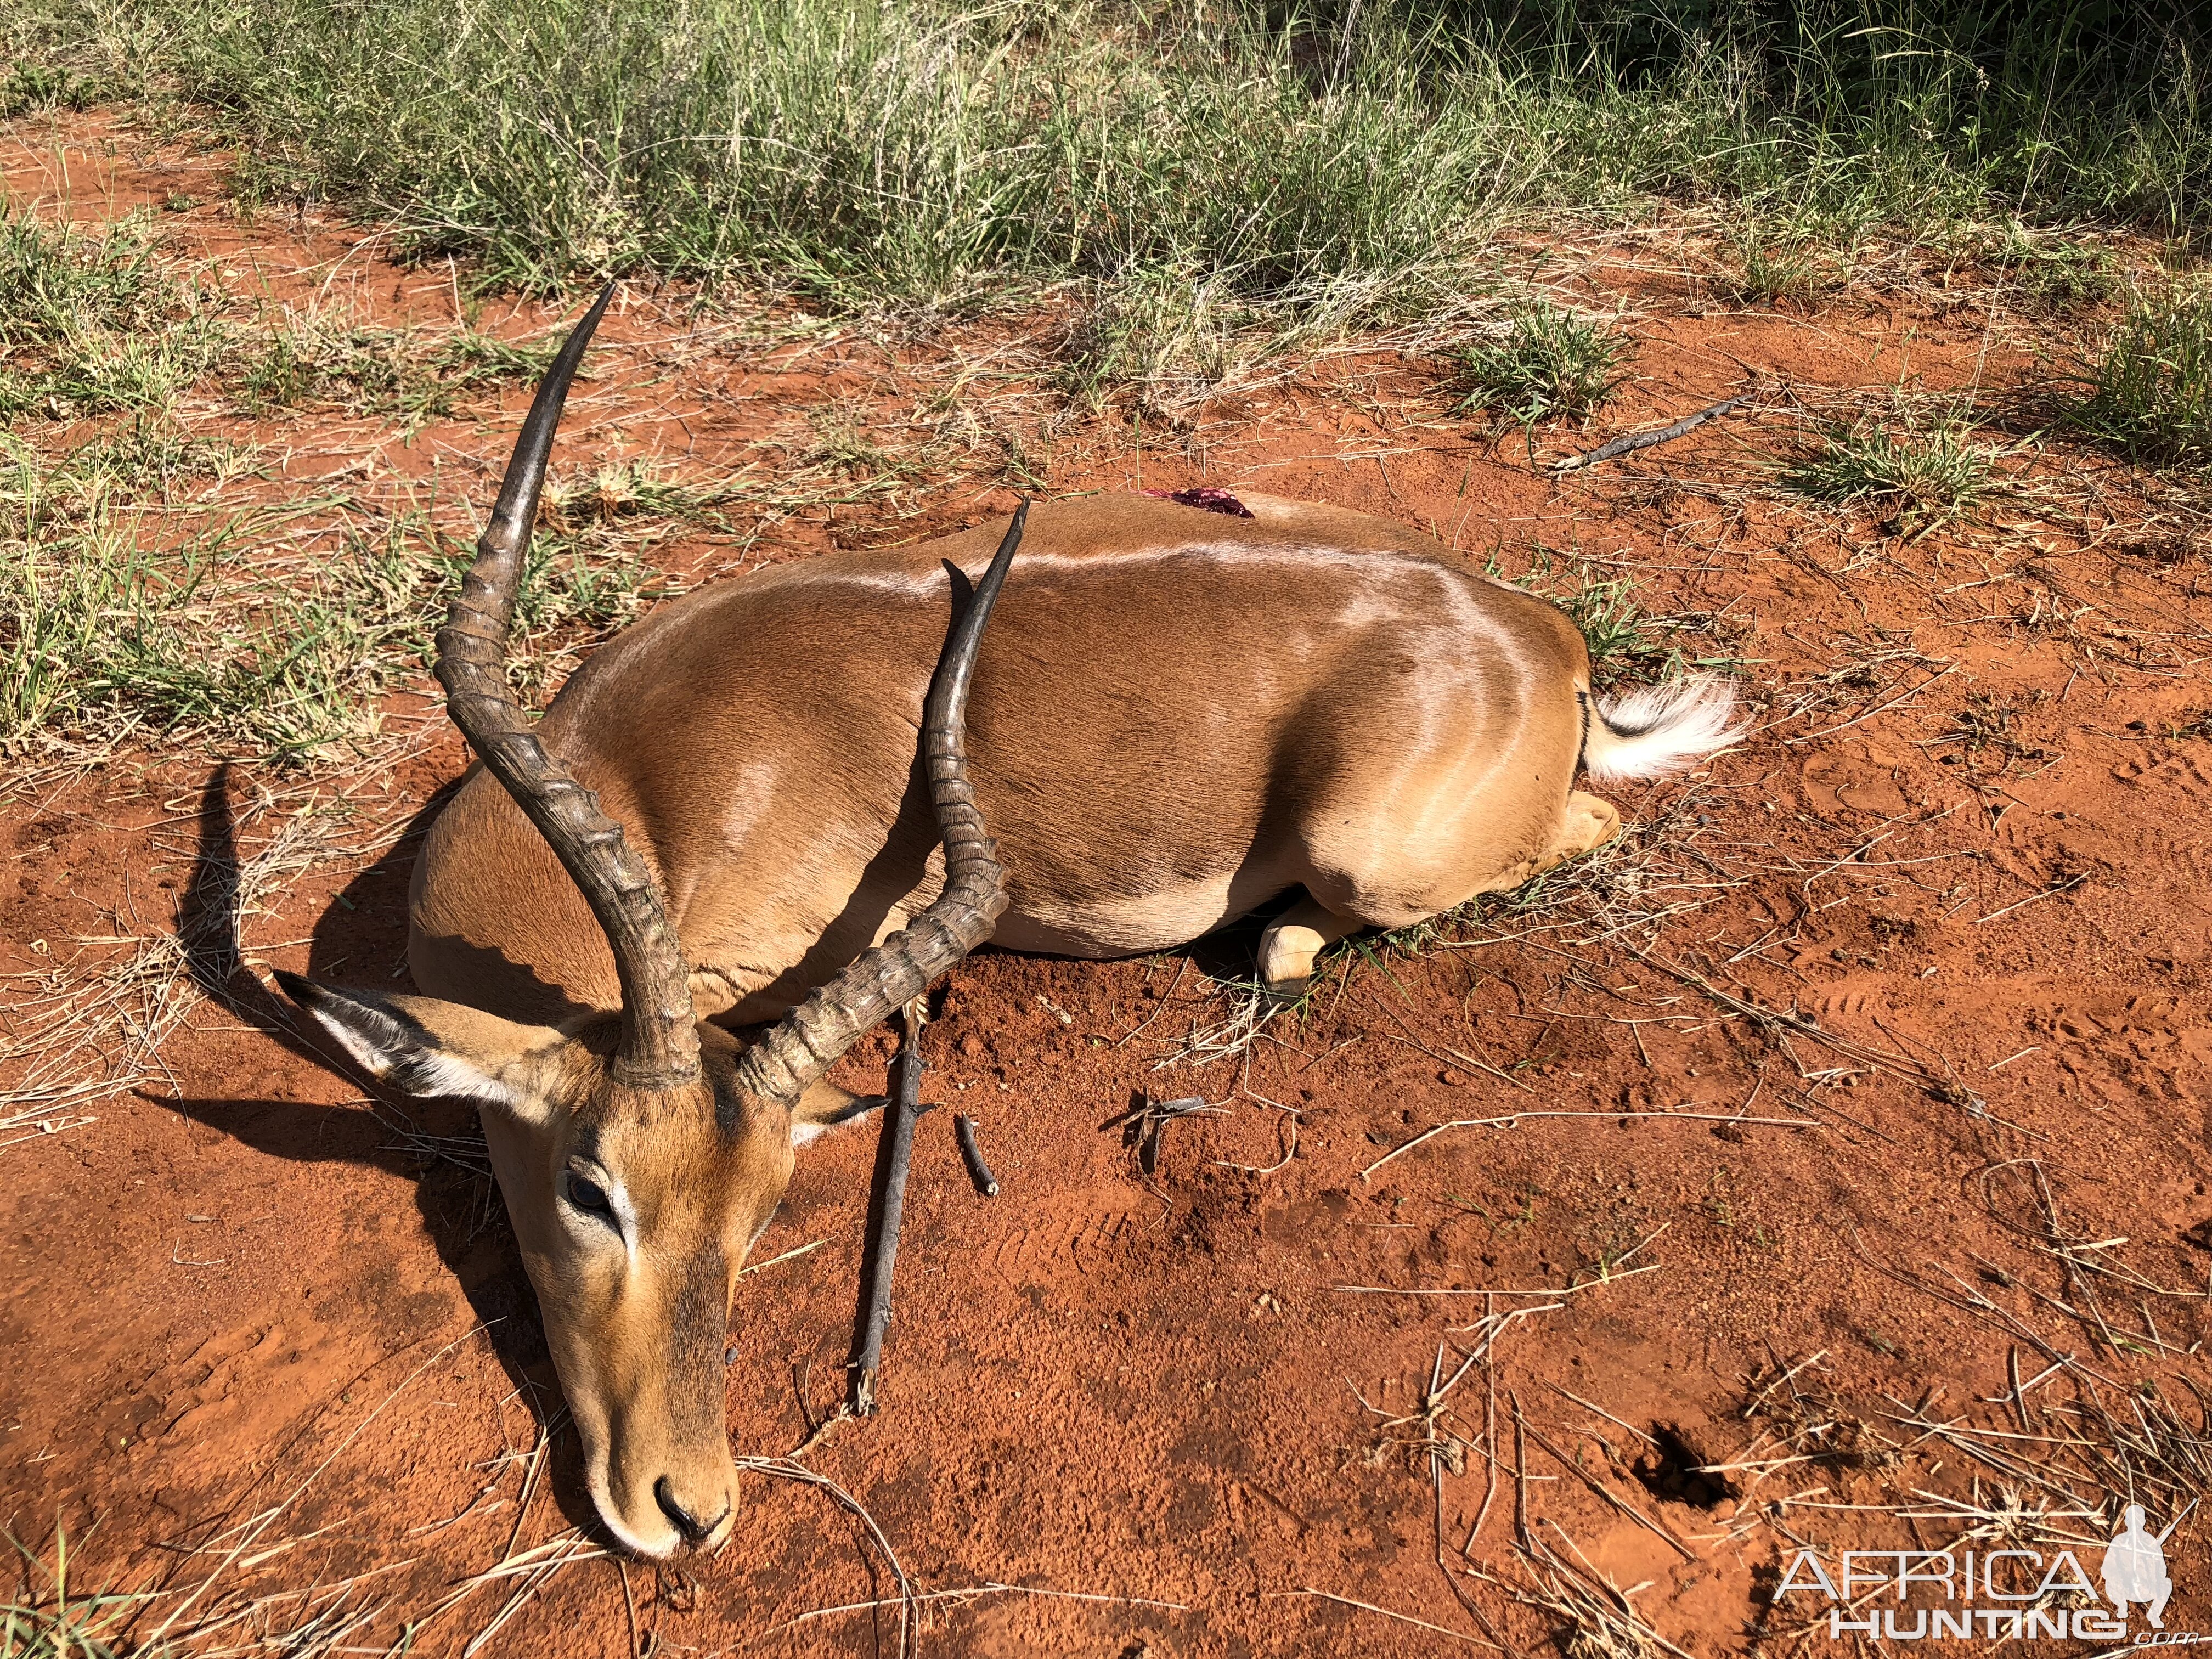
(1635, 440)
(882, 1258)
(971, 1154)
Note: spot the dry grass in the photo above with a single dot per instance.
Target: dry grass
(92, 1025)
(1800, 1419)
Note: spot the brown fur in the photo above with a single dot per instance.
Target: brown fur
(1175, 716)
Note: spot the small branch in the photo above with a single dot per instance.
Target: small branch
(971, 1154)
(2065, 886)
(882, 1243)
(1614, 447)
(1656, 1528)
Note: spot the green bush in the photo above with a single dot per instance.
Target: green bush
(2150, 391)
(1548, 363)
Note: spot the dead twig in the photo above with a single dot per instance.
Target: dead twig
(1627, 444)
(1514, 1118)
(883, 1241)
(971, 1154)
(1402, 1618)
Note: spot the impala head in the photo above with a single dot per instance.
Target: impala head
(642, 1154)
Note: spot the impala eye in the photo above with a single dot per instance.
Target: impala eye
(587, 1195)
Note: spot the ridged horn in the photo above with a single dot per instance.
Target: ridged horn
(659, 1042)
(808, 1040)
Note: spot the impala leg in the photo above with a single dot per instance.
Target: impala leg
(1292, 942)
(1587, 824)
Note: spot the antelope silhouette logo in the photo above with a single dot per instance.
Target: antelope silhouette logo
(2134, 1568)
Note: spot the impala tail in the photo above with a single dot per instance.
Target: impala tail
(1658, 730)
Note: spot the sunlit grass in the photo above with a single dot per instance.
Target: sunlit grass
(1548, 364)
(2149, 391)
(1935, 469)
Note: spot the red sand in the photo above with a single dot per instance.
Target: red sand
(1153, 1394)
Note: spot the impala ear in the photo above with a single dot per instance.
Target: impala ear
(825, 1106)
(428, 1048)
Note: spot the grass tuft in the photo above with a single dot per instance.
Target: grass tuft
(1147, 339)
(89, 324)
(51, 1619)
(1776, 267)
(1934, 472)
(2150, 392)
(1549, 364)
(1619, 632)
(1625, 640)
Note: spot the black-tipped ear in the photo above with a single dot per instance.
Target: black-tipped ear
(425, 1047)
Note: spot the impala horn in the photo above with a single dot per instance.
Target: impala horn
(808, 1040)
(659, 1046)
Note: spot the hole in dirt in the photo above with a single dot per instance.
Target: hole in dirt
(1671, 1470)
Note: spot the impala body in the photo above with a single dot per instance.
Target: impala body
(1177, 715)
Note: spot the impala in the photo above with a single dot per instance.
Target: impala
(762, 810)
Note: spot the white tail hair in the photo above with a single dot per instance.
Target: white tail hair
(1656, 730)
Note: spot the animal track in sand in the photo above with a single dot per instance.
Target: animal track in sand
(1086, 1228)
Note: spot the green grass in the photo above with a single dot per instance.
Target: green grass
(2056, 275)
(305, 359)
(1146, 336)
(1181, 160)
(121, 616)
(1935, 470)
(158, 580)
(1185, 184)
(1624, 639)
(97, 322)
(51, 1619)
(90, 323)
(1549, 364)
(2149, 391)
(1773, 265)
(135, 598)
(32, 86)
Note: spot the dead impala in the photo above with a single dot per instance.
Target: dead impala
(1181, 714)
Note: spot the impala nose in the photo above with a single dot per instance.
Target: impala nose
(695, 1531)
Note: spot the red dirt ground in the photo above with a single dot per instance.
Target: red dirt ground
(1147, 1409)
